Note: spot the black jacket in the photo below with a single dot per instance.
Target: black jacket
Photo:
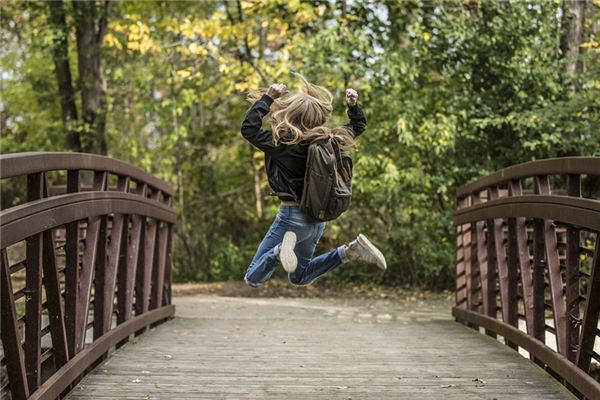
(285, 164)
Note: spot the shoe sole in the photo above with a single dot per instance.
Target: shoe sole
(286, 252)
(362, 239)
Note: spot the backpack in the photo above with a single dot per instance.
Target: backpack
(327, 182)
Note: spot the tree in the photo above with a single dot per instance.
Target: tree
(91, 18)
(574, 22)
(60, 54)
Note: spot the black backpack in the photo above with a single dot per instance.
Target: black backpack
(327, 182)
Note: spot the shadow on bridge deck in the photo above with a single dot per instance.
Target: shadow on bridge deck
(241, 348)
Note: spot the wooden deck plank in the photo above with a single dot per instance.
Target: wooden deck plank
(240, 348)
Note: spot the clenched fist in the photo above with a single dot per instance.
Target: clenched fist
(351, 96)
(276, 90)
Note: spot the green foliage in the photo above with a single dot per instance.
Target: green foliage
(452, 91)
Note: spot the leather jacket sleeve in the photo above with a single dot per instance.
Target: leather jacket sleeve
(358, 121)
(251, 127)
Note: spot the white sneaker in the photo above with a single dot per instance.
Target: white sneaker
(367, 251)
(286, 252)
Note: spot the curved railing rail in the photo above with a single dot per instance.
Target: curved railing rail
(528, 264)
(85, 263)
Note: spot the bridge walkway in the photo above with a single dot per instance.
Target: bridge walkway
(244, 348)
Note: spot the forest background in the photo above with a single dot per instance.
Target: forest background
(452, 90)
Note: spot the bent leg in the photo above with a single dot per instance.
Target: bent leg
(266, 259)
(310, 268)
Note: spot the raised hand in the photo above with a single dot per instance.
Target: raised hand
(351, 96)
(277, 90)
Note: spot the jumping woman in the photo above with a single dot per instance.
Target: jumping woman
(296, 120)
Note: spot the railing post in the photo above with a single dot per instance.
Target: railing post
(518, 256)
(572, 292)
(72, 235)
(11, 339)
(487, 275)
(33, 291)
(591, 314)
(554, 274)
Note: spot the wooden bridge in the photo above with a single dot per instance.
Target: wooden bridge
(87, 310)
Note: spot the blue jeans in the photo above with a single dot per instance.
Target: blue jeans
(308, 233)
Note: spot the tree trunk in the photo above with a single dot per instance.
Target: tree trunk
(91, 20)
(574, 20)
(60, 54)
(257, 192)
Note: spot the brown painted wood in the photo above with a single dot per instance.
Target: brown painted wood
(572, 210)
(167, 298)
(506, 280)
(11, 337)
(72, 235)
(492, 263)
(538, 275)
(100, 280)
(590, 316)
(88, 263)
(150, 255)
(33, 292)
(461, 279)
(519, 257)
(563, 165)
(54, 300)
(488, 278)
(572, 293)
(159, 272)
(35, 221)
(131, 276)
(554, 274)
(17, 164)
(115, 258)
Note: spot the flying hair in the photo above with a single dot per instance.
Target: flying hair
(301, 116)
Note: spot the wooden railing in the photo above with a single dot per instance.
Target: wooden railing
(528, 264)
(85, 263)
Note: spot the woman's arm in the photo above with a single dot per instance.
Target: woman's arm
(251, 127)
(358, 121)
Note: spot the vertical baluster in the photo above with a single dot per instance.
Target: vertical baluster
(466, 250)
(168, 267)
(11, 338)
(54, 297)
(488, 276)
(105, 299)
(135, 258)
(72, 235)
(158, 278)
(492, 264)
(88, 263)
(149, 256)
(572, 274)
(589, 326)
(146, 263)
(461, 279)
(33, 291)
(506, 279)
(519, 256)
(554, 273)
(538, 275)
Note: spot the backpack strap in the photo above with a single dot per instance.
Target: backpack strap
(338, 156)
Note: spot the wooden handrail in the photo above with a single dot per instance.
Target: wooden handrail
(126, 255)
(507, 239)
(550, 166)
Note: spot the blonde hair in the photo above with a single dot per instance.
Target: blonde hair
(301, 116)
